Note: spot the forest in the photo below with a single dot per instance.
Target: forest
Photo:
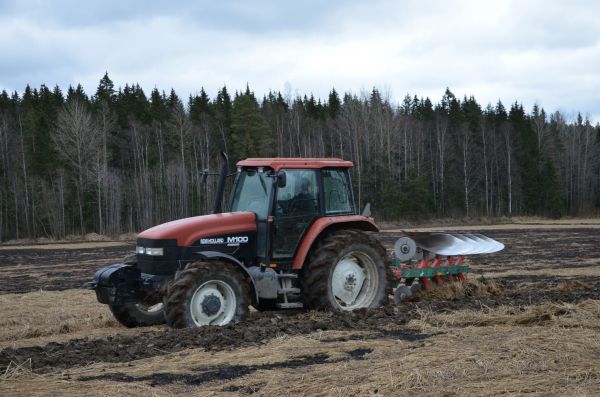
(120, 161)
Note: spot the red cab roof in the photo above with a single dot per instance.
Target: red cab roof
(277, 163)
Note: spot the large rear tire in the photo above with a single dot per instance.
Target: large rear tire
(347, 270)
(207, 293)
(138, 314)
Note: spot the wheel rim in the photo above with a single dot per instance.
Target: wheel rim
(213, 303)
(355, 281)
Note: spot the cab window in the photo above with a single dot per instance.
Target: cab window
(252, 192)
(336, 191)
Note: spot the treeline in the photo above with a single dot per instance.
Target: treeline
(120, 160)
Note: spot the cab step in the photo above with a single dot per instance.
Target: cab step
(289, 290)
(287, 275)
(290, 305)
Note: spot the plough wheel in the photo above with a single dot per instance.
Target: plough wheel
(403, 292)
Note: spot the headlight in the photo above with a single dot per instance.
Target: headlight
(149, 251)
(154, 251)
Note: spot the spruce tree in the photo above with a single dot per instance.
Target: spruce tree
(333, 104)
(249, 131)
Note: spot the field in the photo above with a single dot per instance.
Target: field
(527, 321)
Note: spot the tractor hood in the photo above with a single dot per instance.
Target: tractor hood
(188, 230)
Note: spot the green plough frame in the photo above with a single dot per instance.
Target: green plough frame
(429, 272)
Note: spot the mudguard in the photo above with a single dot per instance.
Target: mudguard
(320, 225)
(215, 255)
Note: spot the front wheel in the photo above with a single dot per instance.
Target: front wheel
(207, 293)
(348, 270)
(139, 314)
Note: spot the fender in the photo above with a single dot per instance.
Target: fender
(215, 255)
(322, 224)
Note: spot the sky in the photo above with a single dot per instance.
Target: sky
(533, 52)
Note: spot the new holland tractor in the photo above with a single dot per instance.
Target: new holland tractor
(291, 238)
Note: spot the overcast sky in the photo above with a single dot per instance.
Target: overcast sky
(545, 52)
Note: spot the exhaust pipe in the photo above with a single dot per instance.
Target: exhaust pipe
(221, 188)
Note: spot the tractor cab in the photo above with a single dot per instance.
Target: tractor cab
(287, 196)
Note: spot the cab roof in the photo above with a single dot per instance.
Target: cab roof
(277, 163)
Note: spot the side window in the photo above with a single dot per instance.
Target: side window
(299, 196)
(336, 192)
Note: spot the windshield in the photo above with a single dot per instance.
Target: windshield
(252, 192)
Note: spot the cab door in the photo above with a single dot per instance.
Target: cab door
(296, 207)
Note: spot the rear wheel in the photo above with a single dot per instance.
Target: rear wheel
(348, 270)
(139, 314)
(207, 293)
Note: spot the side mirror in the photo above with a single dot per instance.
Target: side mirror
(281, 179)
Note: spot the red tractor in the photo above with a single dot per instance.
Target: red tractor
(292, 238)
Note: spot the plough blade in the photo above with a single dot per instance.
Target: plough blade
(423, 260)
(447, 244)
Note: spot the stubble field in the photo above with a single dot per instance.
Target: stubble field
(527, 321)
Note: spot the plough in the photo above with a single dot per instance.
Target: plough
(423, 260)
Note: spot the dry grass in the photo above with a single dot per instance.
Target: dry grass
(48, 313)
(480, 288)
(583, 315)
(539, 350)
(33, 385)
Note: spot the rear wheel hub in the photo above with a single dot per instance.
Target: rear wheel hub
(354, 281)
(211, 305)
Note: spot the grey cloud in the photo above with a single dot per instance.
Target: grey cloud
(245, 16)
(529, 51)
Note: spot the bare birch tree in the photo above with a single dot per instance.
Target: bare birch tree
(76, 140)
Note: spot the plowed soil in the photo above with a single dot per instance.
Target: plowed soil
(543, 279)
(53, 267)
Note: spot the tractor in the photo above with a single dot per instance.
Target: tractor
(291, 238)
